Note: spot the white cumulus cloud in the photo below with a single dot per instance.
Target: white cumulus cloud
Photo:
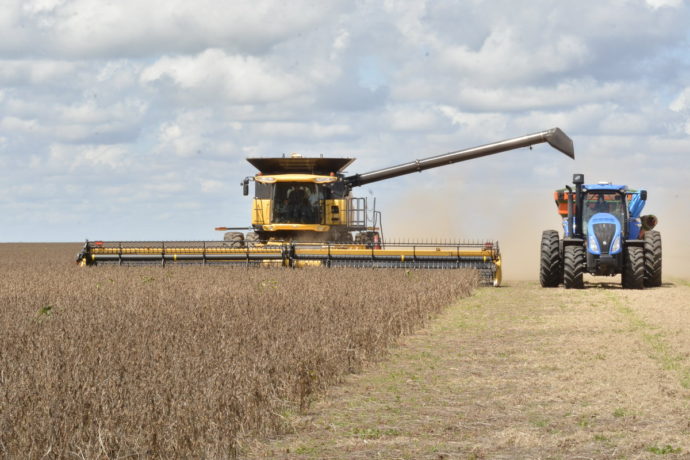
(241, 79)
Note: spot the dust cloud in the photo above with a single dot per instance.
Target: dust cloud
(513, 217)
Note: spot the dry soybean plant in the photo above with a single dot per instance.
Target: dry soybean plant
(185, 361)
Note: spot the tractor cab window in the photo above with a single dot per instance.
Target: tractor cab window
(603, 201)
(297, 203)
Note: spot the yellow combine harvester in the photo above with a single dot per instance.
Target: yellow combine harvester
(304, 214)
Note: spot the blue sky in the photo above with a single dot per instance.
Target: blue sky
(132, 119)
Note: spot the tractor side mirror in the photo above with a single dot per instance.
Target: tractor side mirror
(245, 187)
(578, 179)
(643, 195)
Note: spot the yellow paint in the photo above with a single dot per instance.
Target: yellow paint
(272, 263)
(297, 227)
(261, 211)
(355, 250)
(340, 218)
(272, 179)
(307, 263)
(499, 272)
(272, 249)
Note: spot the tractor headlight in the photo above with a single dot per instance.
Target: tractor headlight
(593, 244)
(616, 245)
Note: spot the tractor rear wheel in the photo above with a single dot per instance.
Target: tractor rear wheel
(551, 270)
(652, 258)
(234, 239)
(573, 267)
(633, 271)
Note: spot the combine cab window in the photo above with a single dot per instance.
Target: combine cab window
(610, 202)
(297, 203)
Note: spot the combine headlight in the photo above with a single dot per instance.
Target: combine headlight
(593, 244)
(616, 245)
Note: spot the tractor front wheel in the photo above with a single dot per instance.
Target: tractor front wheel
(573, 267)
(652, 258)
(551, 269)
(633, 271)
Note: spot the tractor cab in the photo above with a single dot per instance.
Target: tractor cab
(604, 214)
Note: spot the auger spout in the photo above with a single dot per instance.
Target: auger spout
(554, 137)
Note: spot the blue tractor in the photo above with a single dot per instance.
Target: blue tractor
(612, 239)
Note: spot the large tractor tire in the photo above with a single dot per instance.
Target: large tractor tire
(652, 258)
(573, 267)
(551, 269)
(234, 239)
(633, 270)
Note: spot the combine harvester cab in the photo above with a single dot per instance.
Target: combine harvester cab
(304, 214)
(613, 238)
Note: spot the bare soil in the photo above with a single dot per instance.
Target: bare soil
(518, 372)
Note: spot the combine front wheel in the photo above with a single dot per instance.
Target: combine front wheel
(652, 258)
(551, 270)
(573, 267)
(252, 239)
(633, 271)
(234, 239)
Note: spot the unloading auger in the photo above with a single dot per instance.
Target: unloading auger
(304, 214)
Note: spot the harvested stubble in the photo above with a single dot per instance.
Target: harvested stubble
(185, 361)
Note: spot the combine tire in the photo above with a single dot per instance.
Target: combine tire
(633, 271)
(234, 239)
(573, 267)
(652, 258)
(551, 271)
(345, 238)
(252, 239)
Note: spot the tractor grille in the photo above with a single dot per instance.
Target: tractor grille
(604, 234)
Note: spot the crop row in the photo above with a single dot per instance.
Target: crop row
(185, 361)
